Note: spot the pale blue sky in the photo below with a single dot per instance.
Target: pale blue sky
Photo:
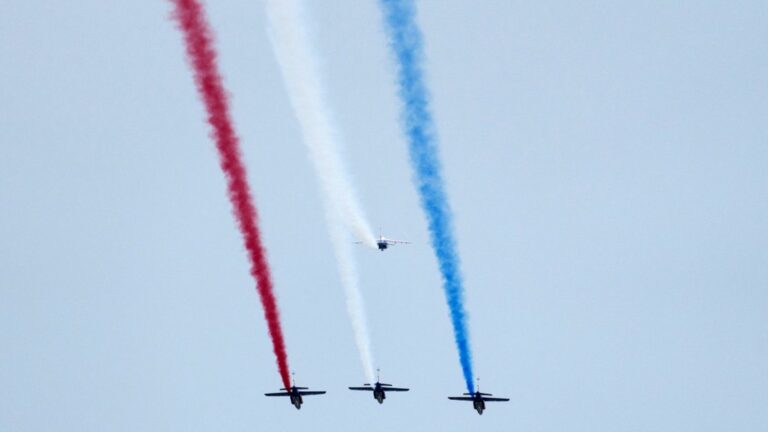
(606, 162)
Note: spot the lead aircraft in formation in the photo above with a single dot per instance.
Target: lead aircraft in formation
(379, 389)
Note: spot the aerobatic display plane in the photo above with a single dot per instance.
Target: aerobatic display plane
(478, 399)
(382, 243)
(379, 389)
(296, 393)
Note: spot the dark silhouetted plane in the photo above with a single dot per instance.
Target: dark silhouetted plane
(478, 399)
(379, 389)
(296, 393)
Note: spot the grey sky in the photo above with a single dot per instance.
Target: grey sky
(606, 162)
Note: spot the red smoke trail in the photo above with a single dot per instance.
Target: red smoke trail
(202, 56)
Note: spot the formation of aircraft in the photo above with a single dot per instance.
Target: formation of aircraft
(379, 389)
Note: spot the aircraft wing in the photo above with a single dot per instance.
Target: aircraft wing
(389, 389)
(311, 393)
(362, 388)
(461, 398)
(495, 399)
(277, 394)
(390, 241)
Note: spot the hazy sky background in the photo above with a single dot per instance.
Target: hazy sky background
(606, 162)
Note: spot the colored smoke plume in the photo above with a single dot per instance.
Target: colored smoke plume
(407, 46)
(296, 56)
(202, 57)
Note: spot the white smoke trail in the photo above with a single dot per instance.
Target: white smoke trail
(295, 54)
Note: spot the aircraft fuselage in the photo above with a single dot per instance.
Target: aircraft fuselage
(382, 245)
(296, 400)
(379, 394)
(479, 405)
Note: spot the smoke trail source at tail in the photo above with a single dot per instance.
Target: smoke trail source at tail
(202, 57)
(296, 56)
(406, 42)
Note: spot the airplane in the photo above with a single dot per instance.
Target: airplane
(379, 389)
(478, 399)
(296, 393)
(383, 243)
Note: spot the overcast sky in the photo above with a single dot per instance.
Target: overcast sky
(606, 162)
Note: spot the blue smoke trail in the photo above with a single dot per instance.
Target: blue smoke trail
(406, 42)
